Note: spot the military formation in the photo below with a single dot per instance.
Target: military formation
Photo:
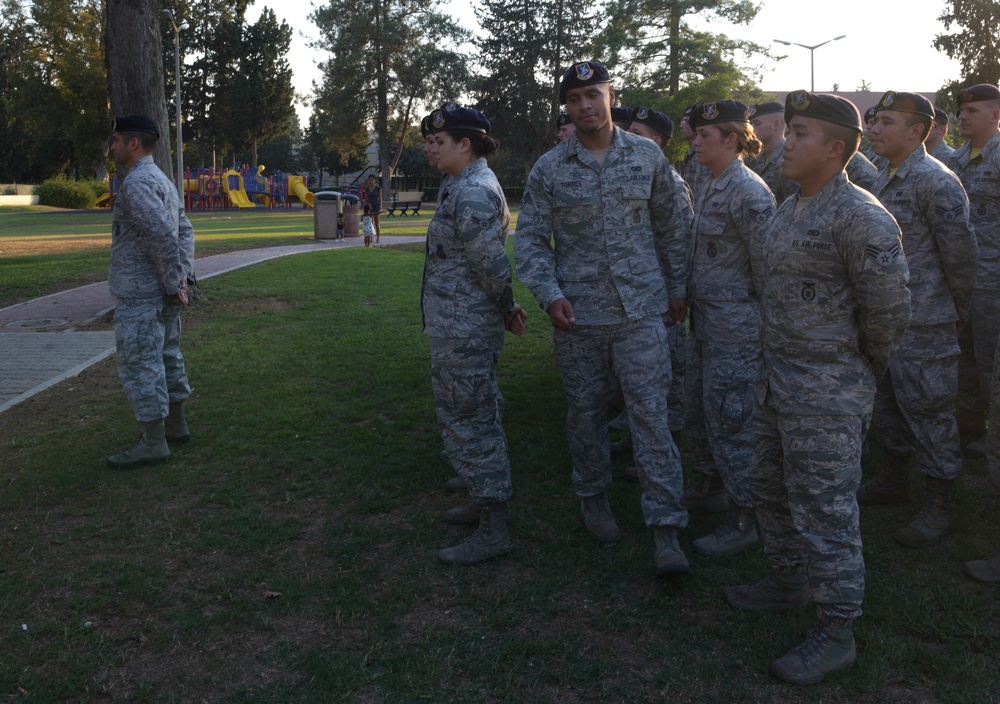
(775, 296)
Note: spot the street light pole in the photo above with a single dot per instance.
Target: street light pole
(812, 56)
(177, 74)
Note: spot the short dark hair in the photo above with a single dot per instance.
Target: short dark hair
(848, 135)
(915, 119)
(146, 140)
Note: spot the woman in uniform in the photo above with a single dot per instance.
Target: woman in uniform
(467, 302)
(731, 217)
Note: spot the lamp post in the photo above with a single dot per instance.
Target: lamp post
(812, 56)
(177, 73)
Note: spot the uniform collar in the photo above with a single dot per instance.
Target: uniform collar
(727, 174)
(964, 153)
(474, 167)
(575, 148)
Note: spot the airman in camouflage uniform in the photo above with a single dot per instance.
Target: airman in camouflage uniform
(935, 144)
(608, 200)
(694, 173)
(769, 124)
(915, 401)
(862, 172)
(467, 301)
(834, 308)
(152, 257)
(730, 224)
(977, 165)
(657, 126)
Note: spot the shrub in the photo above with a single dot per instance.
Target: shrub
(60, 192)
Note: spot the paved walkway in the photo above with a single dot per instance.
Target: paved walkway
(40, 345)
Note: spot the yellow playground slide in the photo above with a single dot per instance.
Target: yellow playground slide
(237, 196)
(297, 187)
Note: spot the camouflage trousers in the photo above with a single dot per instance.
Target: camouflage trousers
(915, 401)
(993, 431)
(978, 339)
(804, 474)
(635, 352)
(720, 391)
(677, 341)
(469, 411)
(150, 363)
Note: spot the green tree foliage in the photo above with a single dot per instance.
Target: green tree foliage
(390, 60)
(200, 64)
(53, 91)
(975, 44)
(281, 152)
(526, 46)
(655, 46)
(330, 145)
(254, 99)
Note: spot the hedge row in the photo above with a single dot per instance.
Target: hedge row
(60, 192)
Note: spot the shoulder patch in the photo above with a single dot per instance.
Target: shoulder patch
(884, 257)
(949, 214)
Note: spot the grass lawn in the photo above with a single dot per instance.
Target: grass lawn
(287, 553)
(44, 250)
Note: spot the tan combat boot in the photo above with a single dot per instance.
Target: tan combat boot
(175, 426)
(935, 521)
(778, 591)
(828, 649)
(600, 523)
(668, 558)
(151, 449)
(891, 486)
(987, 570)
(737, 533)
(491, 538)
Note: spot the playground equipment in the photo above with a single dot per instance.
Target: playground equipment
(297, 186)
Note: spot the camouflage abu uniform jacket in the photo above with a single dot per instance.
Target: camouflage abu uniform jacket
(932, 210)
(729, 228)
(769, 169)
(862, 172)
(618, 231)
(835, 303)
(981, 178)
(152, 241)
(467, 275)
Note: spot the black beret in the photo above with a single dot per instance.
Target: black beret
(871, 114)
(719, 111)
(425, 126)
(912, 103)
(654, 120)
(823, 106)
(135, 123)
(768, 108)
(454, 117)
(582, 74)
(686, 117)
(980, 91)
(563, 119)
(623, 115)
(940, 116)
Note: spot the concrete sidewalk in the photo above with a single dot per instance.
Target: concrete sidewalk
(40, 345)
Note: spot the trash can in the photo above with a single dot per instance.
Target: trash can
(326, 208)
(352, 214)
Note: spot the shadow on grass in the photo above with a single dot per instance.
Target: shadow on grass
(287, 553)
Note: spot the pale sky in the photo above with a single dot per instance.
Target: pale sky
(887, 43)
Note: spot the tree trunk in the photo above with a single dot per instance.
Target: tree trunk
(134, 56)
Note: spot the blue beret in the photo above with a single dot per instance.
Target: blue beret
(978, 92)
(823, 106)
(654, 120)
(135, 123)
(621, 114)
(719, 111)
(769, 108)
(582, 74)
(454, 117)
(913, 103)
